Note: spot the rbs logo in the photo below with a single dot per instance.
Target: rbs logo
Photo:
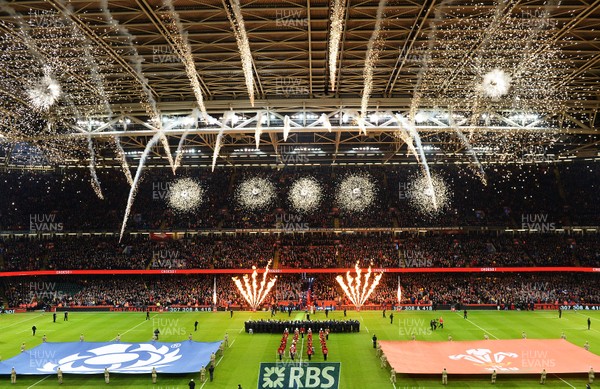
(299, 375)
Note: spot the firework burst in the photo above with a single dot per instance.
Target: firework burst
(495, 84)
(45, 92)
(356, 192)
(305, 194)
(422, 195)
(185, 195)
(255, 193)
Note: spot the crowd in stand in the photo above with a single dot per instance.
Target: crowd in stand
(321, 291)
(564, 194)
(130, 291)
(506, 289)
(559, 195)
(231, 251)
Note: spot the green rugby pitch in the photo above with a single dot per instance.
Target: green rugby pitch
(360, 368)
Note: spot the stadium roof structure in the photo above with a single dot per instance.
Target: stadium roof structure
(340, 81)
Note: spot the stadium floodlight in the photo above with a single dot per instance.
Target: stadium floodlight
(252, 292)
(357, 289)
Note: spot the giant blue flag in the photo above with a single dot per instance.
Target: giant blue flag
(94, 357)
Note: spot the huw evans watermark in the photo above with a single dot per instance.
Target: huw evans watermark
(290, 86)
(169, 327)
(160, 190)
(290, 18)
(290, 222)
(44, 222)
(164, 54)
(417, 327)
(404, 190)
(415, 258)
(40, 358)
(291, 154)
(168, 259)
(537, 222)
(43, 290)
(537, 359)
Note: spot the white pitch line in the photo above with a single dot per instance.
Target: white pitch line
(43, 379)
(22, 321)
(241, 329)
(563, 381)
(132, 328)
(591, 329)
(366, 328)
(37, 331)
(217, 364)
(481, 328)
(301, 349)
(219, 361)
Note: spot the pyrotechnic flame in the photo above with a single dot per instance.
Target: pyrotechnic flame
(357, 290)
(405, 136)
(184, 51)
(325, 120)
(286, 127)
(335, 36)
(138, 174)
(410, 127)
(123, 159)
(148, 100)
(258, 131)
(241, 37)
(217, 148)
(92, 166)
(373, 50)
(252, 293)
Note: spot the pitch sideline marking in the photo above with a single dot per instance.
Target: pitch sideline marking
(581, 314)
(481, 328)
(366, 328)
(132, 328)
(45, 378)
(301, 349)
(217, 364)
(563, 381)
(23, 321)
(38, 330)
